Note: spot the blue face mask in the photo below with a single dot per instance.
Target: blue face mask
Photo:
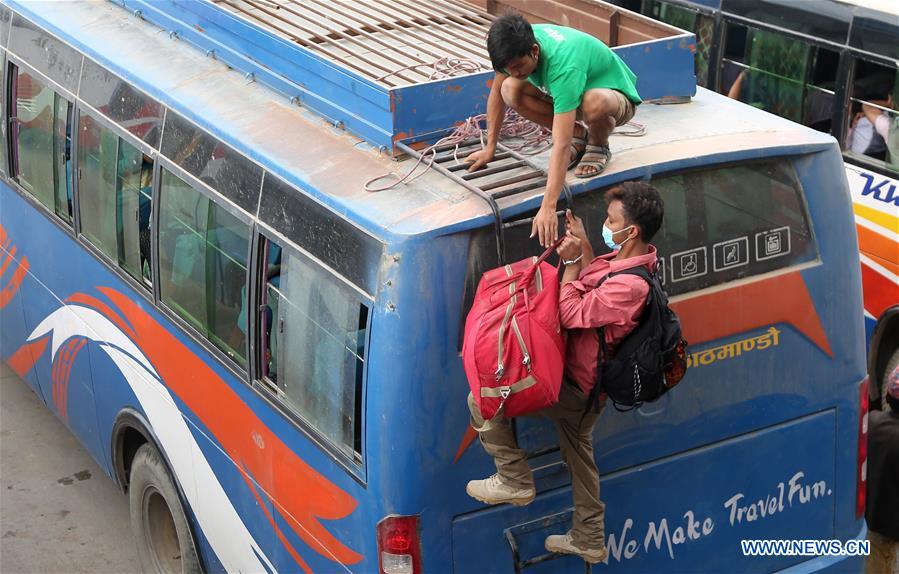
(608, 236)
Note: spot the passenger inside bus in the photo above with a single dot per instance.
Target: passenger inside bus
(868, 130)
(873, 120)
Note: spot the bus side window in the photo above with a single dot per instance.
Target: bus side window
(121, 102)
(115, 194)
(873, 122)
(769, 72)
(5, 14)
(312, 339)
(203, 264)
(820, 90)
(41, 141)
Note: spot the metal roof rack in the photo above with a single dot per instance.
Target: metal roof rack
(392, 43)
(406, 71)
(508, 174)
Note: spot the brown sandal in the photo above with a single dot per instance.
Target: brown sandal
(597, 156)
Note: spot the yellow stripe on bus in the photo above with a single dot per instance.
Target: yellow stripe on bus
(890, 222)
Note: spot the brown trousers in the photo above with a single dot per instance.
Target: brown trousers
(576, 442)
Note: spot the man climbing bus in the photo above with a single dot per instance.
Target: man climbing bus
(587, 301)
(565, 80)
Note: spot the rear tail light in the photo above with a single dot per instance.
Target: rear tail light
(399, 545)
(862, 471)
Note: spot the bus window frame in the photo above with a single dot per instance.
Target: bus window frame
(355, 465)
(14, 61)
(162, 162)
(146, 290)
(6, 90)
(853, 57)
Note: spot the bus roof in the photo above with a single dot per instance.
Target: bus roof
(333, 166)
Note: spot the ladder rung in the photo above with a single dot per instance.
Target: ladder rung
(461, 166)
(492, 170)
(520, 188)
(510, 181)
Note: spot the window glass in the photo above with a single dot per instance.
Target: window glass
(820, 89)
(766, 70)
(203, 265)
(5, 17)
(4, 113)
(115, 196)
(731, 222)
(721, 224)
(120, 102)
(873, 122)
(53, 58)
(42, 151)
(313, 330)
(216, 163)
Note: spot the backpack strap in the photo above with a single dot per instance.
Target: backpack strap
(593, 397)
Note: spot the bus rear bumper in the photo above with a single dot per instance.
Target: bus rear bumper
(832, 564)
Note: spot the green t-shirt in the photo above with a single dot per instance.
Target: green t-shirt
(572, 62)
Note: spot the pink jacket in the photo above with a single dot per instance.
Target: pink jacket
(617, 305)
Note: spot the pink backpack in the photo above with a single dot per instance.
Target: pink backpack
(513, 350)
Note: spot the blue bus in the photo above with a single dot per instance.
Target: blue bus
(266, 357)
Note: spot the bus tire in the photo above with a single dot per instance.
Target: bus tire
(160, 527)
(892, 363)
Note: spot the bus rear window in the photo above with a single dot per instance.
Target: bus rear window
(721, 224)
(731, 222)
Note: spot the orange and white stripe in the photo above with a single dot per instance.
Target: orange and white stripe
(877, 223)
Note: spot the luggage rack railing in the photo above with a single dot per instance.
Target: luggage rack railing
(509, 173)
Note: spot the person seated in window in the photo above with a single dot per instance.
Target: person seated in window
(868, 130)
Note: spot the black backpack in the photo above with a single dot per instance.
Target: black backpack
(650, 361)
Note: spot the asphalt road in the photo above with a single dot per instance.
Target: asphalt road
(59, 512)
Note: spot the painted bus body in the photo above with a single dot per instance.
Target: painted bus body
(760, 441)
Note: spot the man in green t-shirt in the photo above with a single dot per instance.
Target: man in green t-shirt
(555, 76)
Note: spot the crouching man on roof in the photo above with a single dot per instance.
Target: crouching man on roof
(587, 302)
(554, 75)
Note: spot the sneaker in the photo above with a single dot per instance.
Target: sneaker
(494, 491)
(562, 544)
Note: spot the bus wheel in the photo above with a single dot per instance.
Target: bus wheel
(891, 366)
(160, 527)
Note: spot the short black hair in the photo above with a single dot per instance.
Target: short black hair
(643, 206)
(510, 37)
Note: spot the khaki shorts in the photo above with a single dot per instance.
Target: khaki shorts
(626, 109)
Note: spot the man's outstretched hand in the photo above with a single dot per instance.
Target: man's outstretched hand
(480, 158)
(546, 226)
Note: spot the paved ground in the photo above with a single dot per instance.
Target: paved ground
(59, 512)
